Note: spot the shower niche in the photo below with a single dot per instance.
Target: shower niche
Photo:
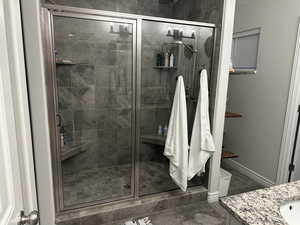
(110, 99)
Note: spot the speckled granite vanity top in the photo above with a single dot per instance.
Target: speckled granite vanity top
(262, 207)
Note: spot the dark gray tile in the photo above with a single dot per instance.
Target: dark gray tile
(124, 137)
(63, 76)
(83, 76)
(70, 222)
(65, 97)
(96, 219)
(113, 98)
(85, 119)
(82, 135)
(122, 118)
(83, 97)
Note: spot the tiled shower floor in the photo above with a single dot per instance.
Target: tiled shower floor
(113, 182)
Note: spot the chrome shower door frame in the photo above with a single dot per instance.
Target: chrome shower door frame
(50, 67)
(48, 40)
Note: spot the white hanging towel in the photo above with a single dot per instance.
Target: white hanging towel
(176, 147)
(202, 145)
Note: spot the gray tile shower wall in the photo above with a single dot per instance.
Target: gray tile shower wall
(196, 10)
(94, 92)
(161, 8)
(78, 85)
(210, 11)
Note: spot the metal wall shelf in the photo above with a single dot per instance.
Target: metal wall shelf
(233, 115)
(65, 62)
(242, 72)
(165, 67)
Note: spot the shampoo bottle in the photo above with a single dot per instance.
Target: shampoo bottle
(172, 60)
(160, 130)
(166, 59)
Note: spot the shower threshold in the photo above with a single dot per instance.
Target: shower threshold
(102, 214)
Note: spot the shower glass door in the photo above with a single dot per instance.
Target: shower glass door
(110, 84)
(95, 108)
(168, 50)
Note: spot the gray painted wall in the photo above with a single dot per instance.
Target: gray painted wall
(262, 98)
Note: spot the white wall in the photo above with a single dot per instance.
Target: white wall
(262, 98)
(38, 105)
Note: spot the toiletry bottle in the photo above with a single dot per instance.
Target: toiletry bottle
(62, 141)
(165, 130)
(62, 136)
(160, 130)
(158, 59)
(162, 59)
(171, 60)
(166, 59)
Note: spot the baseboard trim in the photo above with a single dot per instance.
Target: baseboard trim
(232, 164)
(212, 197)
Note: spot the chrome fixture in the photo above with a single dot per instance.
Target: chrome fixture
(189, 47)
(121, 29)
(179, 34)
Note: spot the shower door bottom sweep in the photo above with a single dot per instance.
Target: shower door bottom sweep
(110, 82)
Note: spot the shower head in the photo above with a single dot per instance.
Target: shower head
(189, 50)
(189, 46)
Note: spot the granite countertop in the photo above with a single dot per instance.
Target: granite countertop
(262, 207)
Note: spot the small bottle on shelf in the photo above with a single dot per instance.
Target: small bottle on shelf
(162, 59)
(166, 59)
(165, 131)
(160, 130)
(158, 59)
(171, 63)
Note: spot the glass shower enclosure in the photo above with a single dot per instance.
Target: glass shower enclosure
(110, 80)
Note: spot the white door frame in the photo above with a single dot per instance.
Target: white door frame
(15, 106)
(20, 101)
(31, 17)
(290, 117)
(221, 98)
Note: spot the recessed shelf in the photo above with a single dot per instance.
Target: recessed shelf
(233, 115)
(165, 67)
(228, 155)
(73, 150)
(65, 62)
(160, 141)
(153, 139)
(241, 72)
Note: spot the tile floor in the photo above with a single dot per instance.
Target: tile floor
(202, 213)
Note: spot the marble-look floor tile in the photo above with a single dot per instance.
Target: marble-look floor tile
(201, 213)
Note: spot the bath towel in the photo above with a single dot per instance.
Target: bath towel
(176, 146)
(202, 144)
